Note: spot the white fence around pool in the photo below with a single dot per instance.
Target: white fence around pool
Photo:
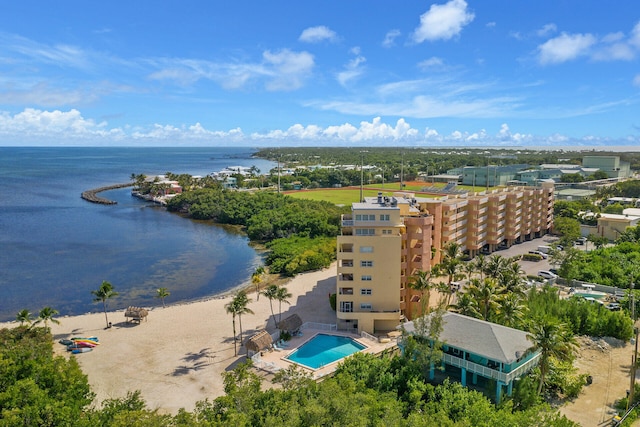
(319, 326)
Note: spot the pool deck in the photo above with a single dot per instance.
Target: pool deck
(274, 361)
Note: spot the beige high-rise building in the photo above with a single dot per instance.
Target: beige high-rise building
(386, 240)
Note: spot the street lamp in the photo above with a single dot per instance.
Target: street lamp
(362, 175)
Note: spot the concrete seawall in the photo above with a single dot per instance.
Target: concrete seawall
(92, 195)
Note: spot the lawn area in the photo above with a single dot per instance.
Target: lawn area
(349, 195)
(337, 196)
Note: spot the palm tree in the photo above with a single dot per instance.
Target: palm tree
(486, 293)
(451, 262)
(480, 263)
(282, 296)
(466, 305)
(232, 308)
(496, 266)
(271, 292)
(422, 282)
(256, 279)
(46, 316)
(24, 316)
(552, 339)
(510, 310)
(241, 300)
(103, 293)
(162, 293)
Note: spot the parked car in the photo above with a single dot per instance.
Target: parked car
(554, 271)
(581, 241)
(546, 274)
(542, 254)
(613, 306)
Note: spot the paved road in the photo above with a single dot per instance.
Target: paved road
(529, 267)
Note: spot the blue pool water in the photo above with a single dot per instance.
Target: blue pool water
(324, 349)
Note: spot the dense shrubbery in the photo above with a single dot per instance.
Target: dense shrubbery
(297, 254)
(582, 317)
(37, 389)
(299, 233)
(611, 266)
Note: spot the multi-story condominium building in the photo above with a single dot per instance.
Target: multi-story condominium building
(386, 240)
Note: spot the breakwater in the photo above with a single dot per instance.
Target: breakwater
(92, 195)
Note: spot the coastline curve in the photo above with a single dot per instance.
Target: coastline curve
(92, 195)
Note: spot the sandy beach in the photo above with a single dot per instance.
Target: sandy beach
(176, 357)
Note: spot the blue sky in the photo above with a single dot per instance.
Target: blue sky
(545, 73)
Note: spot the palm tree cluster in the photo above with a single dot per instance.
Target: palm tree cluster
(46, 315)
(238, 307)
(496, 293)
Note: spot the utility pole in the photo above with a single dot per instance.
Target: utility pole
(634, 356)
(402, 173)
(362, 175)
(279, 173)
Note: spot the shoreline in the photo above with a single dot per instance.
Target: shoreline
(178, 355)
(92, 195)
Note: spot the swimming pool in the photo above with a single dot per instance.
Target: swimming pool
(324, 349)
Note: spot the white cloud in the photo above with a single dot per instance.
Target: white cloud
(38, 127)
(443, 21)
(636, 80)
(547, 30)
(288, 69)
(505, 135)
(353, 69)
(433, 62)
(318, 34)
(390, 38)
(565, 47)
(32, 123)
(283, 70)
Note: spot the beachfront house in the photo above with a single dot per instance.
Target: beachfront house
(485, 353)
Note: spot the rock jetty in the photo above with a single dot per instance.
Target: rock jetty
(92, 195)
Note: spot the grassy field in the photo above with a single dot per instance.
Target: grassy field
(347, 196)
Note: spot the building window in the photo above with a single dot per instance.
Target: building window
(365, 306)
(366, 249)
(366, 263)
(384, 217)
(365, 291)
(386, 231)
(365, 231)
(346, 306)
(358, 217)
(366, 279)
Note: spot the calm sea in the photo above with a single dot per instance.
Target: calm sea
(55, 248)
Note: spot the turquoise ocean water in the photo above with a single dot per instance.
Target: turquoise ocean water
(55, 248)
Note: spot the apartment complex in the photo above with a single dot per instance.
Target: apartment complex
(386, 240)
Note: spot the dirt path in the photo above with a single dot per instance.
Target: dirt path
(608, 361)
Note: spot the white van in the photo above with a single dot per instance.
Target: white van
(544, 249)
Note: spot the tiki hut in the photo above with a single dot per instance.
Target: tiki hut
(135, 314)
(258, 342)
(291, 324)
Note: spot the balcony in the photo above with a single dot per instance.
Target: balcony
(347, 223)
(345, 277)
(486, 372)
(346, 263)
(346, 291)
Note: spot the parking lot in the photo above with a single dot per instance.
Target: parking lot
(529, 267)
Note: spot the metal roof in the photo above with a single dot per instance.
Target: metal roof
(490, 340)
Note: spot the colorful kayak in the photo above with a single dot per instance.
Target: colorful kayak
(86, 340)
(81, 350)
